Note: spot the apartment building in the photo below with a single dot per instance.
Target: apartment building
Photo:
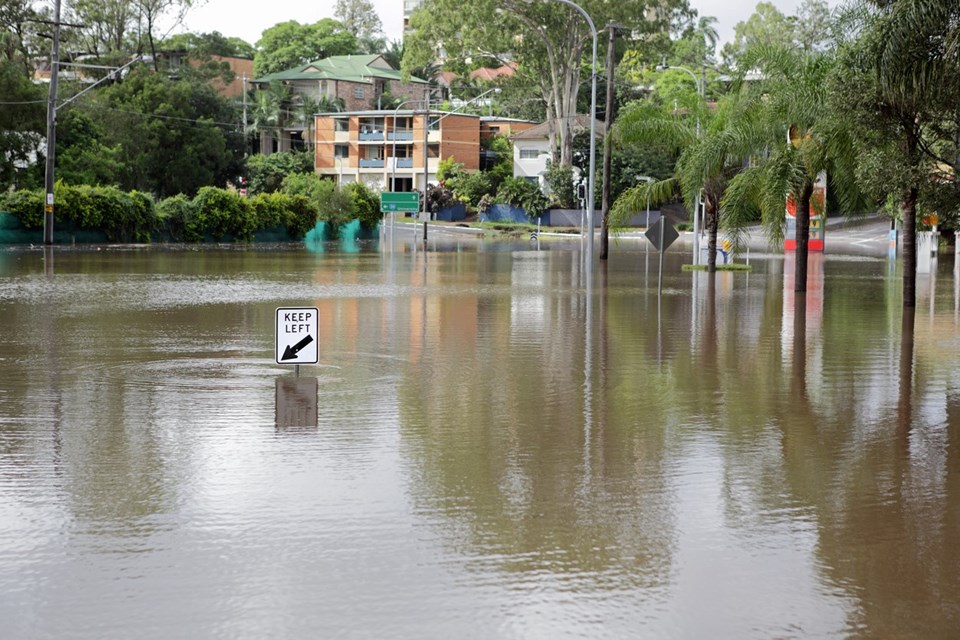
(385, 149)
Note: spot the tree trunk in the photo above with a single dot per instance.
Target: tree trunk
(910, 248)
(713, 225)
(607, 147)
(803, 236)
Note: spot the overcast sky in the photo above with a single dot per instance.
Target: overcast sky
(248, 18)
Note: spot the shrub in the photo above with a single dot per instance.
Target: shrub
(518, 192)
(472, 186)
(336, 210)
(172, 216)
(307, 184)
(27, 206)
(559, 179)
(439, 197)
(449, 168)
(296, 213)
(218, 213)
(366, 204)
(267, 172)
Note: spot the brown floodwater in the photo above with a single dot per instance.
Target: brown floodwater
(494, 444)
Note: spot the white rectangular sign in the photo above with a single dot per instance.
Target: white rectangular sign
(298, 335)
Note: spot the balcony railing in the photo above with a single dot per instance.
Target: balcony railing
(400, 134)
(371, 164)
(404, 163)
(371, 134)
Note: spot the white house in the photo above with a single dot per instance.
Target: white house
(531, 149)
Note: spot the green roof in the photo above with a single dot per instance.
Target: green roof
(354, 68)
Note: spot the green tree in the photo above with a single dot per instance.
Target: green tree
(210, 44)
(897, 84)
(553, 42)
(360, 18)
(22, 122)
(174, 136)
(268, 172)
(711, 146)
(803, 140)
(107, 24)
(289, 44)
(152, 12)
(767, 26)
(17, 26)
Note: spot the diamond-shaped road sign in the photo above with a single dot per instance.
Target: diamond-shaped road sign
(661, 234)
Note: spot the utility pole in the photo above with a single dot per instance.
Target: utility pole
(51, 127)
(607, 147)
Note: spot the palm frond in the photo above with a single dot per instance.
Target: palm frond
(634, 200)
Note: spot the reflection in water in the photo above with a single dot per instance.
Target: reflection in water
(497, 444)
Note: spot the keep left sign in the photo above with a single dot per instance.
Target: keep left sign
(298, 335)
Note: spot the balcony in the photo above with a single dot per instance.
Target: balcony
(404, 163)
(371, 135)
(371, 164)
(401, 135)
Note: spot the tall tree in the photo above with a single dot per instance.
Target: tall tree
(360, 18)
(802, 140)
(289, 44)
(16, 29)
(150, 12)
(898, 84)
(106, 24)
(21, 121)
(551, 40)
(711, 154)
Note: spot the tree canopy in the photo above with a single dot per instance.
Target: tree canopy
(289, 44)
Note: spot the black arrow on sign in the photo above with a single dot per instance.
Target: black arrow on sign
(291, 352)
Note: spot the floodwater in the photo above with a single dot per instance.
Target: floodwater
(493, 445)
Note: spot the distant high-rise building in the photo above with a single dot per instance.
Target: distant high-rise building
(409, 6)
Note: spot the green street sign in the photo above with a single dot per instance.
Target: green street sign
(406, 201)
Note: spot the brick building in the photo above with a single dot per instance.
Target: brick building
(356, 82)
(384, 149)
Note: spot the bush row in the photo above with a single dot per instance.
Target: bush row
(214, 213)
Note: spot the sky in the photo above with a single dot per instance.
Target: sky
(248, 18)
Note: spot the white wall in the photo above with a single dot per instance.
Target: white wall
(531, 168)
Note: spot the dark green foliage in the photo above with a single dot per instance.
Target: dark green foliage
(172, 136)
(219, 213)
(172, 216)
(82, 157)
(518, 192)
(470, 186)
(21, 125)
(288, 44)
(439, 196)
(560, 185)
(296, 213)
(266, 173)
(27, 206)
(366, 204)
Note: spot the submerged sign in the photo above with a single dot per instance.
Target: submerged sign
(297, 334)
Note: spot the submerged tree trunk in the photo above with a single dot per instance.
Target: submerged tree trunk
(713, 226)
(910, 248)
(803, 236)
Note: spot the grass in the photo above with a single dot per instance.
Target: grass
(720, 267)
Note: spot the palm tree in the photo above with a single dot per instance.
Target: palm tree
(803, 140)
(268, 112)
(706, 164)
(900, 85)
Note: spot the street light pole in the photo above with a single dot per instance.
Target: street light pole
(696, 208)
(51, 127)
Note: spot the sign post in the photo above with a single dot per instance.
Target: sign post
(297, 336)
(661, 235)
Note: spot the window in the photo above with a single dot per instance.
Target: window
(434, 124)
(358, 93)
(529, 154)
(433, 151)
(341, 124)
(341, 151)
